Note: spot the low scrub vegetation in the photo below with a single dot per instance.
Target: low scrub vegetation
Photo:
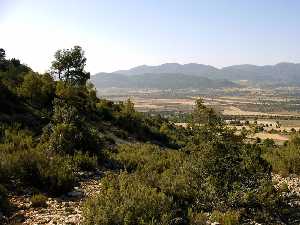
(213, 177)
(53, 126)
(286, 159)
(125, 199)
(38, 200)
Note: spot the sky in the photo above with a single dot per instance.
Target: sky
(120, 34)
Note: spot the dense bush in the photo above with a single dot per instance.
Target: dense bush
(205, 177)
(285, 159)
(84, 162)
(34, 168)
(124, 199)
(70, 132)
(58, 177)
(13, 139)
(37, 89)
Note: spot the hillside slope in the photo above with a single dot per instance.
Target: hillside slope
(141, 169)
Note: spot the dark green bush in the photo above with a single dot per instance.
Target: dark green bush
(14, 139)
(206, 176)
(124, 199)
(269, 143)
(58, 176)
(286, 159)
(83, 161)
(54, 175)
(70, 132)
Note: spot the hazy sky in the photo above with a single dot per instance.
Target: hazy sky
(119, 34)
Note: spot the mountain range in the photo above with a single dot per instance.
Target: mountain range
(193, 75)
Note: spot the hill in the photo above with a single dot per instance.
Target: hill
(157, 81)
(281, 73)
(278, 74)
(190, 69)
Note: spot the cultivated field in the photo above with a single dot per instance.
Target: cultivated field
(277, 110)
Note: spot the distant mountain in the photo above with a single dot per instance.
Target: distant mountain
(177, 76)
(281, 73)
(157, 81)
(189, 69)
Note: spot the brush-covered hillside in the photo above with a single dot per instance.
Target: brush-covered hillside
(54, 129)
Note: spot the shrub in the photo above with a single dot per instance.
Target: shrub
(70, 131)
(269, 142)
(14, 139)
(38, 200)
(126, 200)
(285, 160)
(197, 218)
(54, 175)
(58, 176)
(206, 176)
(226, 218)
(85, 162)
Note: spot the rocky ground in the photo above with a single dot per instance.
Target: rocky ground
(63, 210)
(67, 209)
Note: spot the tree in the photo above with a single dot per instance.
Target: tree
(129, 107)
(203, 115)
(69, 66)
(2, 54)
(269, 142)
(38, 89)
(2, 60)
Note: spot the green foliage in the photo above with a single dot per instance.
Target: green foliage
(204, 176)
(227, 218)
(80, 97)
(14, 139)
(197, 218)
(38, 89)
(38, 200)
(204, 115)
(180, 177)
(12, 72)
(286, 159)
(269, 143)
(58, 177)
(126, 200)
(104, 108)
(69, 131)
(21, 159)
(84, 162)
(69, 66)
(34, 168)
